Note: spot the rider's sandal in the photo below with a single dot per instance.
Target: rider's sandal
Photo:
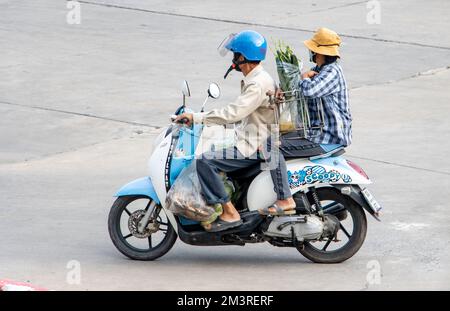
(279, 211)
(221, 225)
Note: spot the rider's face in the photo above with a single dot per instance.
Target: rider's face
(241, 59)
(236, 59)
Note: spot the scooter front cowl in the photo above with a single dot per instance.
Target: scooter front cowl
(141, 186)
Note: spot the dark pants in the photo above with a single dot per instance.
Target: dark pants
(211, 163)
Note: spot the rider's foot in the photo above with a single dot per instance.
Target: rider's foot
(230, 214)
(222, 224)
(230, 217)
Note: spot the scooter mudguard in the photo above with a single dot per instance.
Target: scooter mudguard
(141, 186)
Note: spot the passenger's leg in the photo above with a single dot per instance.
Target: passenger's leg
(290, 146)
(278, 172)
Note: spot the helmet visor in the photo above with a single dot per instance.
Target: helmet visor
(223, 47)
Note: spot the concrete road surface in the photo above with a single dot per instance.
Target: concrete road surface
(81, 103)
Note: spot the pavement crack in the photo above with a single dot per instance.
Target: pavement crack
(400, 165)
(237, 22)
(430, 72)
(49, 155)
(338, 6)
(87, 115)
(67, 151)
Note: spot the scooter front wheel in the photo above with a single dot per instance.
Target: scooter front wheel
(153, 242)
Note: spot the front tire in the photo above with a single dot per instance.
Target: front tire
(121, 208)
(355, 239)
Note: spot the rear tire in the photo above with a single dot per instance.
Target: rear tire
(355, 240)
(120, 242)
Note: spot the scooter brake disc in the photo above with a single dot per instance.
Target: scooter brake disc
(133, 223)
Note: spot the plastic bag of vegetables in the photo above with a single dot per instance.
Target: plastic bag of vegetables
(288, 68)
(185, 199)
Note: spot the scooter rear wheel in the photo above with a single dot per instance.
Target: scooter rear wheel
(153, 243)
(350, 236)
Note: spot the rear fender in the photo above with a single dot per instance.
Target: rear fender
(353, 192)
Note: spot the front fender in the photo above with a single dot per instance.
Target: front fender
(141, 186)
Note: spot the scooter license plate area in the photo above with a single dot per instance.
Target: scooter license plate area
(370, 199)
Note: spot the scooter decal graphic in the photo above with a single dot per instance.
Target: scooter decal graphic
(313, 174)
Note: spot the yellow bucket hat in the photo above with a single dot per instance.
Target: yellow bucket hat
(325, 42)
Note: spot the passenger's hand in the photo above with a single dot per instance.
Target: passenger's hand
(278, 95)
(309, 74)
(184, 118)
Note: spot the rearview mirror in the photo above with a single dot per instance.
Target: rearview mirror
(185, 89)
(214, 90)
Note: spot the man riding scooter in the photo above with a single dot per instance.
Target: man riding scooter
(149, 228)
(252, 112)
(326, 82)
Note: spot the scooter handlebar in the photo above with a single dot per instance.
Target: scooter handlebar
(181, 121)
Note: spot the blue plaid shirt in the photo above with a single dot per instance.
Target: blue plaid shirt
(329, 85)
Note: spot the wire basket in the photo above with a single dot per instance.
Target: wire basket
(295, 112)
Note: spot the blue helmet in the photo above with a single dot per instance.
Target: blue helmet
(251, 44)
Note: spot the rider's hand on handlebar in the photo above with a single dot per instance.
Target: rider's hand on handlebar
(184, 118)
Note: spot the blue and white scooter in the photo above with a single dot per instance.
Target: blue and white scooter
(329, 225)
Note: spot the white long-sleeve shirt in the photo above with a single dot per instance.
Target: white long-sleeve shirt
(251, 111)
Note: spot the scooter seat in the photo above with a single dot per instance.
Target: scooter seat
(331, 151)
(328, 150)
